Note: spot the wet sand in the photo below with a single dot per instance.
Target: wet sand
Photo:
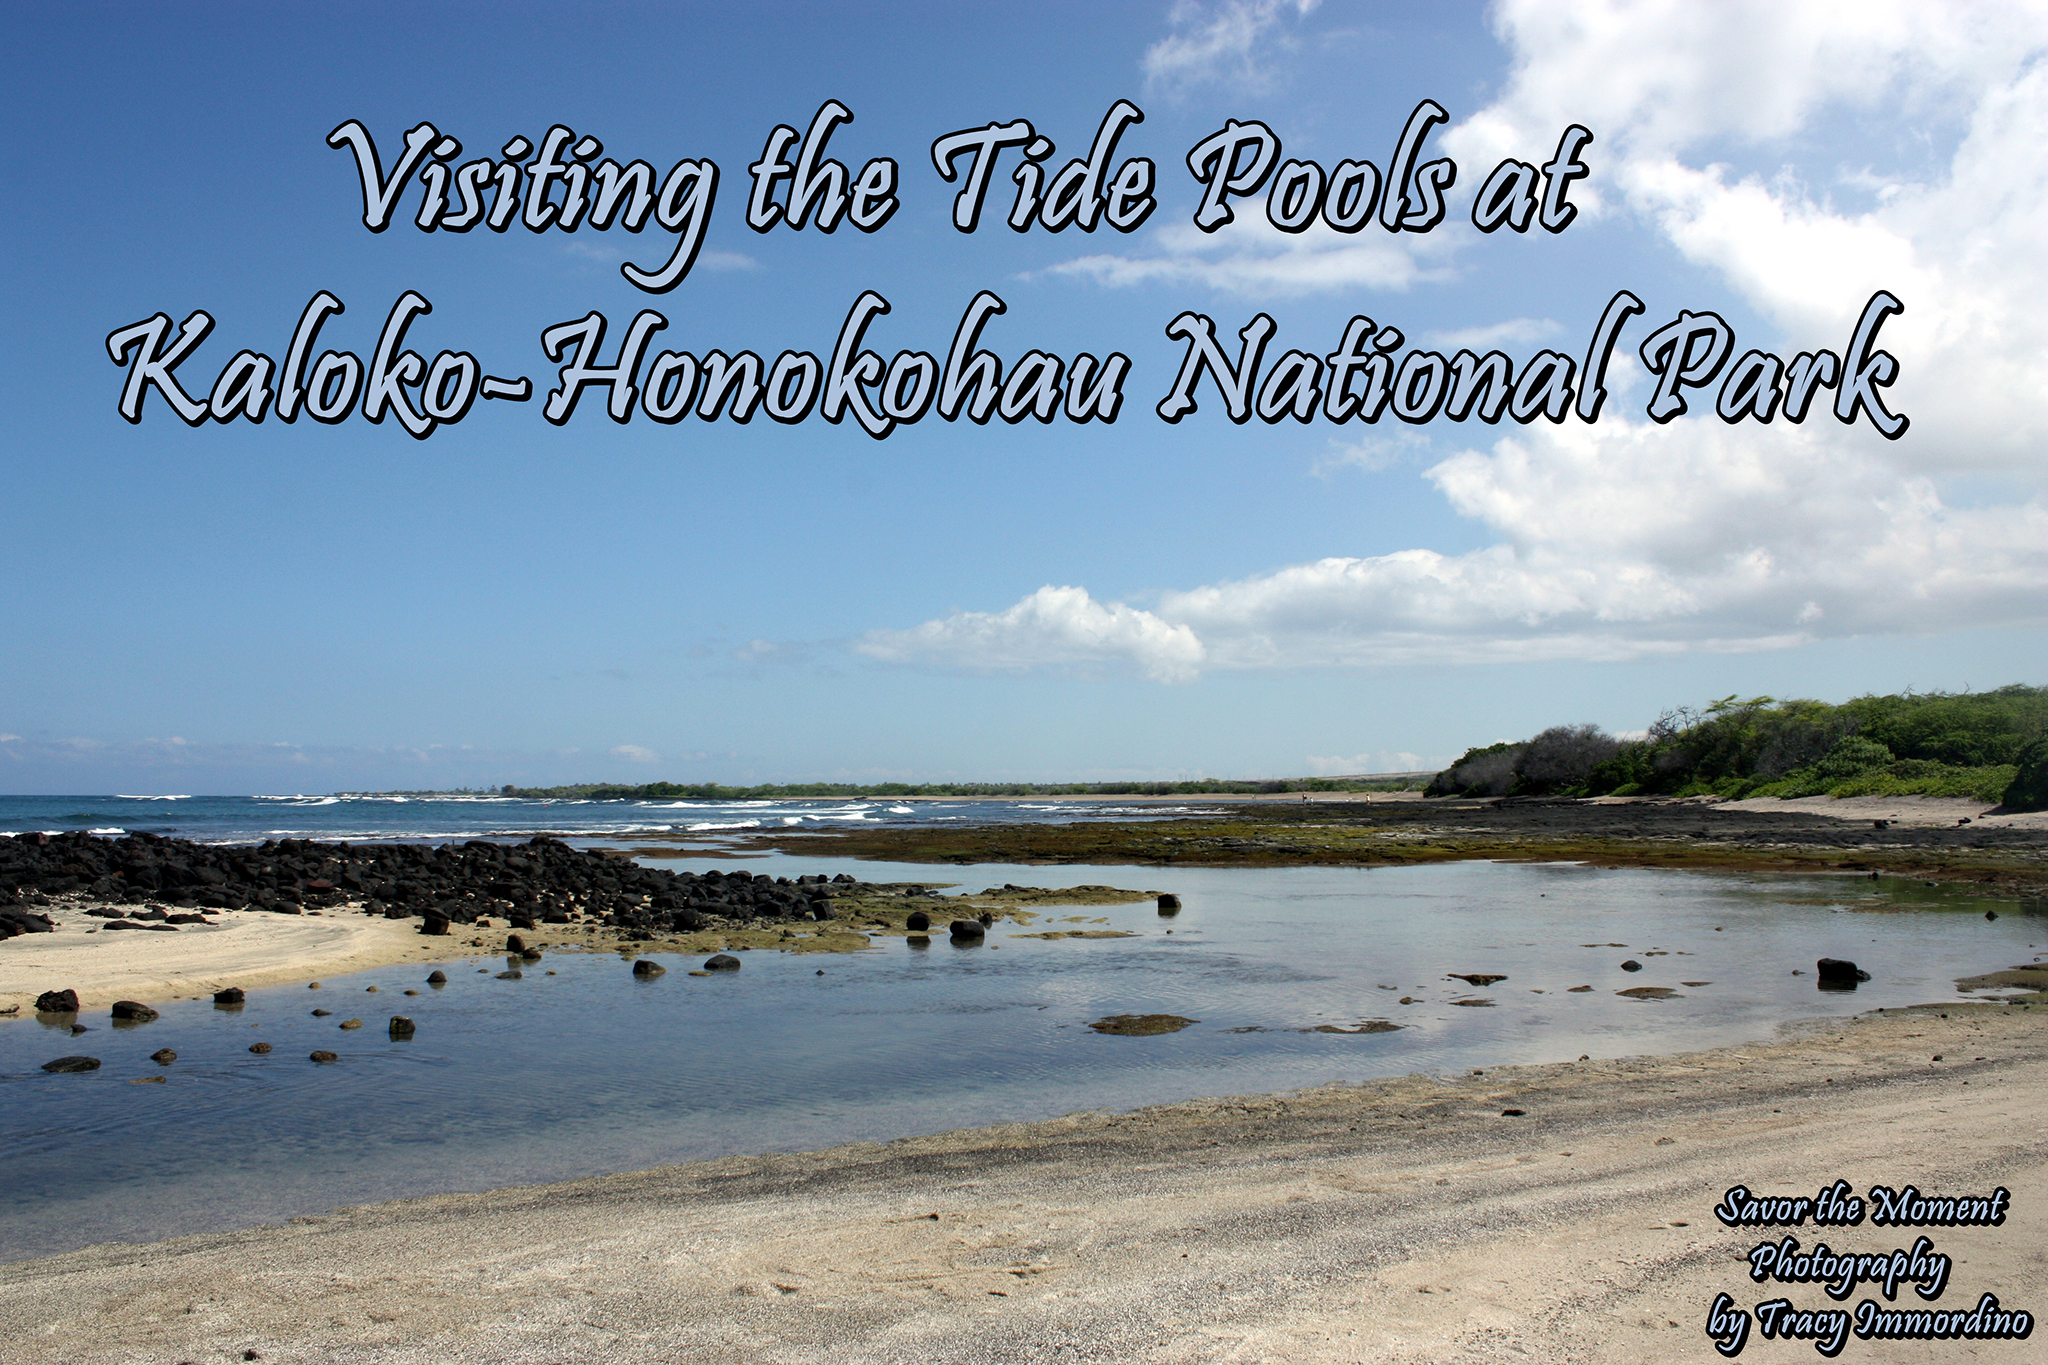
(245, 948)
(1405, 1221)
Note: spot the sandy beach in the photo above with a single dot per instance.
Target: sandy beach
(1407, 1221)
(244, 948)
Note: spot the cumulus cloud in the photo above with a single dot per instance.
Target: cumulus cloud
(1054, 626)
(634, 753)
(1622, 538)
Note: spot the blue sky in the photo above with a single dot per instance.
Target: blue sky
(263, 607)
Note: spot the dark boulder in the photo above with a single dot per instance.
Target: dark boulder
(57, 1002)
(514, 944)
(434, 924)
(1169, 904)
(1481, 979)
(1838, 974)
(134, 1011)
(967, 928)
(530, 955)
(514, 975)
(721, 962)
(401, 1027)
(918, 922)
(163, 1056)
(259, 1048)
(437, 978)
(324, 1056)
(645, 968)
(64, 1064)
(1631, 966)
(231, 996)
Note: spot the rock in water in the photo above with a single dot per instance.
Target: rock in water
(231, 996)
(918, 922)
(259, 1048)
(1141, 1025)
(325, 1057)
(57, 1002)
(1838, 974)
(721, 962)
(134, 1011)
(967, 928)
(645, 968)
(63, 1064)
(1631, 966)
(437, 979)
(401, 1027)
(1169, 904)
(514, 944)
(1481, 979)
(514, 975)
(350, 1023)
(163, 1056)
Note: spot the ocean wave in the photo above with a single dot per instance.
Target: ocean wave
(152, 798)
(723, 824)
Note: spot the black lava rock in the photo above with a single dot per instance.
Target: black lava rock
(231, 996)
(721, 962)
(64, 1064)
(133, 1011)
(57, 1002)
(967, 928)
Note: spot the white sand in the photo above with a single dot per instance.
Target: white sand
(1403, 1222)
(246, 948)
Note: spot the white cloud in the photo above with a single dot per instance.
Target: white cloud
(1514, 332)
(1622, 539)
(1053, 626)
(1218, 42)
(1250, 256)
(1372, 453)
(634, 753)
(9, 739)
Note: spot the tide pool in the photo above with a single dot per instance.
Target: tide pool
(578, 1068)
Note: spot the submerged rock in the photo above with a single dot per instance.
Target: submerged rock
(134, 1011)
(967, 928)
(1169, 904)
(1141, 1025)
(163, 1056)
(259, 1048)
(1480, 979)
(64, 1064)
(647, 968)
(401, 1027)
(324, 1056)
(721, 962)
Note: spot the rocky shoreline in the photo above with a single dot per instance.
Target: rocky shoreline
(144, 881)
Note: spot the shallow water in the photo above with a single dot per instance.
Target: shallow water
(588, 1070)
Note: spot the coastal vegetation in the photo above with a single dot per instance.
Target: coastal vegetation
(1984, 746)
